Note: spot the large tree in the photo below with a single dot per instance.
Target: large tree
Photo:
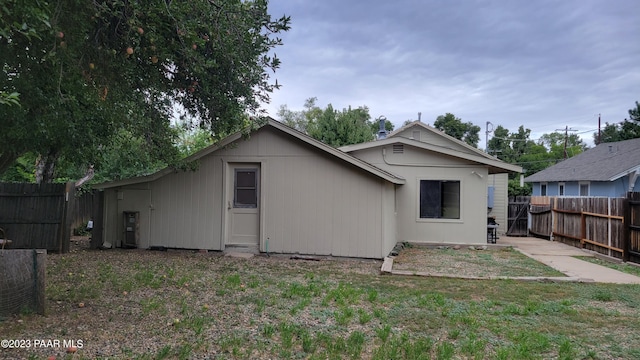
(86, 70)
(336, 128)
(500, 144)
(453, 126)
(301, 119)
(339, 128)
(628, 129)
(562, 145)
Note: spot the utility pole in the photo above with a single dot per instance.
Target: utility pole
(486, 136)
(599, 131)
(566, 139)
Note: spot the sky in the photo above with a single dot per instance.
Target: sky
(545, 65)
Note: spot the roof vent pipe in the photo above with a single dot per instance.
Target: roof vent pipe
(382, 133)
(419, 116)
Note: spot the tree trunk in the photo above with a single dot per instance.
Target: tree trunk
(88, 176)
(45, 168)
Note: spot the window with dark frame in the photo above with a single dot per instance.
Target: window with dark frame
(543, 189)
(439, 199)
(245, 192)
(561, 189)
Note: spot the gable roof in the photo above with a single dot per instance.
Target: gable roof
(335, 153)
(495, 165)
(423, 126)
(605, 162)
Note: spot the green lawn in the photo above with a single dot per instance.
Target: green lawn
(155, 305)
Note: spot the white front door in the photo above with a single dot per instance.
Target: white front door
(243, 205)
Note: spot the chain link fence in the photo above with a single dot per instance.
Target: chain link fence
(22, 281)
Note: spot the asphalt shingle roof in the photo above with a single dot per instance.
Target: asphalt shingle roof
(605, 162)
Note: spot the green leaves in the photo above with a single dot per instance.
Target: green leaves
(332, 127)
(454, 127)
(87, 70)
(9, 98)
(621, 131)
(339, 128)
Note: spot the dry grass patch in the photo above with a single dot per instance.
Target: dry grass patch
(492, 261)
(185, 305)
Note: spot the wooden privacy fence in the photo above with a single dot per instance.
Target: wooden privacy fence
(594, 223)
(43, 216)
(83, 208)
(37, 216)
(540, 212)
(518, 215)
(634, 227)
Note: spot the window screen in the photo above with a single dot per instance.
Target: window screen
(245, 188)
(439, 199)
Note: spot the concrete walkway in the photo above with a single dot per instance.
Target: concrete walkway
(561, 257)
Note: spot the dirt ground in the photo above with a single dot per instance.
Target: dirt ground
(472, 261)
(189, 304)
(79, 243)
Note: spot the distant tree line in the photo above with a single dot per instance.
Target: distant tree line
(351, 126)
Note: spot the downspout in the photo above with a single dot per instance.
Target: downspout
(633, 177)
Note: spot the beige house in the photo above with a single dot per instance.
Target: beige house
(497, 181)
(445, 198)
(281, 191)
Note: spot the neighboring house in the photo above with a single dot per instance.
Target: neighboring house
(497, 183)
(609, 169)
(281, 191)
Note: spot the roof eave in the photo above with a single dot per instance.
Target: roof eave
(625, 173)
(236, 136)
(167, 170)
(442, 134)
(492, 162)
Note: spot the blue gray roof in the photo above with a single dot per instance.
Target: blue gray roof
(605, 162)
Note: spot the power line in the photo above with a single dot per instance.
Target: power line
(538, 139)
(566, 138)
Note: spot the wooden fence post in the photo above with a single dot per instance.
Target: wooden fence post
(626, 227)
(39, 274)
(583, 228)
(552, 206)
(67, 217)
